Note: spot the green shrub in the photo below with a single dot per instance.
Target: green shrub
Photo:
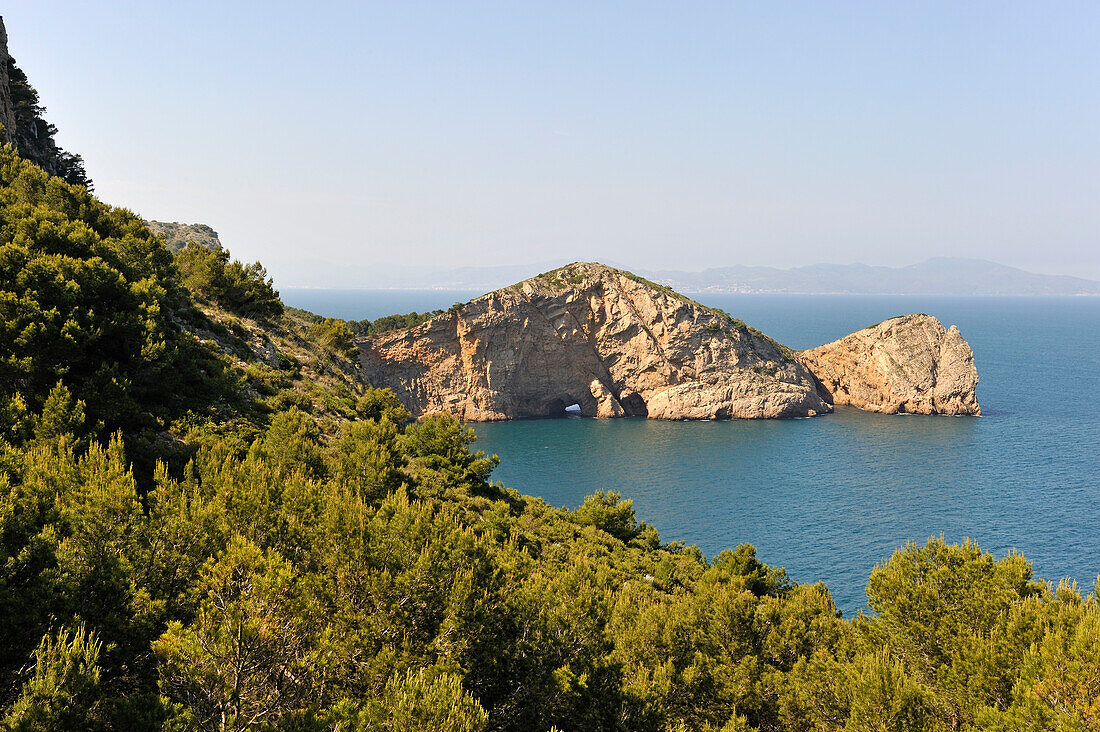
(390, 323)
(336, 335)
(244, 289)
(608, 512)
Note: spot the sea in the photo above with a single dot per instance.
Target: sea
(828, 498)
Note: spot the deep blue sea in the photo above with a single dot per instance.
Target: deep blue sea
(828, 498)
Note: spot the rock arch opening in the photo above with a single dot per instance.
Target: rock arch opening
(564, 406)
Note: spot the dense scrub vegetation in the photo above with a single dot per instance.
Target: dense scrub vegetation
(388, 323)
(207, 523)
(244, 289)
(89, 297)
(380, 581)
(332, 333)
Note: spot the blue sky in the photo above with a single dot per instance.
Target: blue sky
(680, 135)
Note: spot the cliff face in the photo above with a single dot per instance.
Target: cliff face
(617, 345)
(910, 364)
(594, 336)
(7, 106)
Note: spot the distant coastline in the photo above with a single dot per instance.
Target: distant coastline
(939, 276)
(951, 276)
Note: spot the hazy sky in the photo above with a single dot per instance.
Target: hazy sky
(680, 135)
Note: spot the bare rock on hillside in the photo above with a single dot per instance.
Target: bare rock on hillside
(177, 235)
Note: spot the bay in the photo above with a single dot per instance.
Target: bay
(828, 498)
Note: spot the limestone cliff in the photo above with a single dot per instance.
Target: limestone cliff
(177, 235)
(586, 334)
(7, 105)
(909, 364)
(617, 345)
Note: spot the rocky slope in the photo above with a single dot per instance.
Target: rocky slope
(177, 235)
(586, 334)
(7, 104)
(909, 364)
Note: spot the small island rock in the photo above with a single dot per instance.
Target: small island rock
(910, 364)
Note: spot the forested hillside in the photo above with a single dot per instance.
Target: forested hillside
(208, 522)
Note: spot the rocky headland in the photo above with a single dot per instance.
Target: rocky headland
(177, 235)
(618, 345)
(905, 365)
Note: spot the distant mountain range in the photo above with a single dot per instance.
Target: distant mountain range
(939, 276)
(320, 274)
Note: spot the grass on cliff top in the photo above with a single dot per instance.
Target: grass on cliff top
(399, 321)
(563, 277)
(922, 316)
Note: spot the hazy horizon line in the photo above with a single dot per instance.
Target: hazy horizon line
(563, 261)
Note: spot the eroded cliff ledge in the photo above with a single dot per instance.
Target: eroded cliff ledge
(612, 343)
(910, 364)
(586, 334)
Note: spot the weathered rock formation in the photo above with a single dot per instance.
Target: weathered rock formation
(610, 342)
(617, 345)
(7, 105)
(177, 235)
(909, 364)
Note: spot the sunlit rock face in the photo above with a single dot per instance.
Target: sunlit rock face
(7, 105)
(909, 364)
(595, 336)
(618, 345)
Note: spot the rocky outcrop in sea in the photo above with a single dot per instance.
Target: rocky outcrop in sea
(617, 345)
(905, 365)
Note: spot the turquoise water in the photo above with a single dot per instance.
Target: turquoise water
(828, 498)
